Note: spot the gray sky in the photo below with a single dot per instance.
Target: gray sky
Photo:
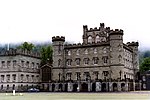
(39, 20)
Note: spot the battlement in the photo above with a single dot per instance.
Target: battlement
(14, 52)
(116, 31)
(133, 43)
(102, 25)
(58, 38)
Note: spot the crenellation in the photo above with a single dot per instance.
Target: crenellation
(58, 38)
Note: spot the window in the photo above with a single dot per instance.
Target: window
(8, 63)
(37, 65)
(27, 64)
(3, 63)
(14, 63)
(68, 76)
(1, 87)
(27, 76)
(2, 78)
(21, 78)
(32, 78)
(8, 78)
(69, 52)
(69, 62)
(104, 50)
(78, 52)
(86, 61)
(95, 60)
(95, 50)
(7, 87)
(105, 73)
(14, 77)
(78, 75)
(22, 63)
(77, 60)
(97, 40)
(32, 64)
(90, 39)
(87, 76)
(59, 62)
(96, 75)
(86, 51)
(105, 59)
(144, 78)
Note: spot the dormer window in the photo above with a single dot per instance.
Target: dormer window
(90, 39)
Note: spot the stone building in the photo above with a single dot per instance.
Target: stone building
(101, 63)
(19, 70)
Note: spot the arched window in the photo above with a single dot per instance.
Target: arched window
(59, 62)
(97, 39)
(77, 52)
(86, 51)
(90, 39)
(95, 50)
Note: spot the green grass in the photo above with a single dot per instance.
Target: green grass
(77, 96)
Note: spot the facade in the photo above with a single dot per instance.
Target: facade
(101, 63)
(19, 70)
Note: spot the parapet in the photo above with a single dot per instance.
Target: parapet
(58, 38)
(14, 52)
(116, 32)
(133, 43)
(102, 25)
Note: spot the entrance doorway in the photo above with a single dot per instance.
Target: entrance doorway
(84, 87)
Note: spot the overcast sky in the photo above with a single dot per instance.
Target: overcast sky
(39, 20)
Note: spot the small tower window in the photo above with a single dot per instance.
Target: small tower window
(86, 51)
(95, 50)
(90, 39)
(78, 52)
(97, 40)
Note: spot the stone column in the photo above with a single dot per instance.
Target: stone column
(98, 86)
(79, 87)
(119, 86)
(89, 86)
(50, 87)
(63, 86)
(70, 87)
(56, 86)
(126, 86)
(110, 86)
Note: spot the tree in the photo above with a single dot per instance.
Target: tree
(26, 46)
(46, 53)
(145, 65)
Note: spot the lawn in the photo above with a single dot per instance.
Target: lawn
(77, 96)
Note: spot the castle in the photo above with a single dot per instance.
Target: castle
(101, 63)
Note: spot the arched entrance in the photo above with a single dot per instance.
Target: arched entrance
(53, 87)
(75, 86)
(122, 86)
(46, 73)
(103, 87)
(60, 87)
(66, 87)
(84, 87)
(93, 87)
(115, 88)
